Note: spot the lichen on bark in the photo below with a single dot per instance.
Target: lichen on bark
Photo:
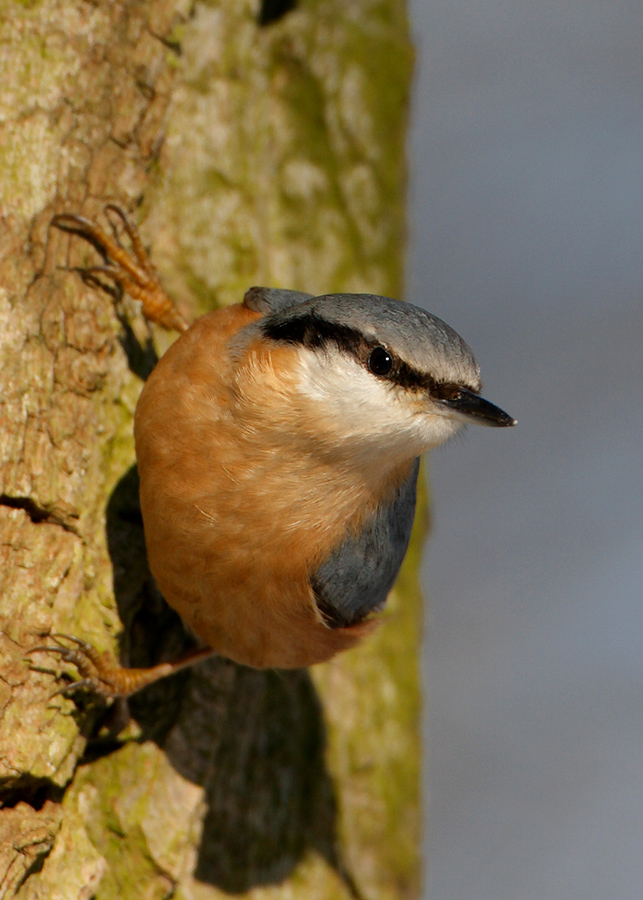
(248, 155)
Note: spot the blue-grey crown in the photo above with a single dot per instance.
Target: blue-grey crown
(427, 347)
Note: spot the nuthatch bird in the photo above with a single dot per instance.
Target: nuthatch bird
(278, 446)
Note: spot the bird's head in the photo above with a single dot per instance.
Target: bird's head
(375, 373)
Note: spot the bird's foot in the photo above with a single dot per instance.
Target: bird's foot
(132, 271)
(101, 674)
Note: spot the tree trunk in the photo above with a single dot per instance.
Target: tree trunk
(250, 154)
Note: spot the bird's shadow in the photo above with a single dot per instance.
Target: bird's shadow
(253, 740)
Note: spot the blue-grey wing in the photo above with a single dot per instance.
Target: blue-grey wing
(272, 300)
(358, 575)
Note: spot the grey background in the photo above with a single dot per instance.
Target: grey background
(527, 237)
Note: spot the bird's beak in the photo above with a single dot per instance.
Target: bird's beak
(476, 408)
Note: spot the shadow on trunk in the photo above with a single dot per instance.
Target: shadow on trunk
(253, 740)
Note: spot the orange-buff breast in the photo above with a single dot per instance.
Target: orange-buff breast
(236, 514)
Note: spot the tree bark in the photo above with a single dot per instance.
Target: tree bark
(249, 154)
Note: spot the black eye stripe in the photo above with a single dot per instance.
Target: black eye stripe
(448, 392)
(312, 331)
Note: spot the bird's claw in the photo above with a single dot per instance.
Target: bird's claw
(132, 271)
(93, 667)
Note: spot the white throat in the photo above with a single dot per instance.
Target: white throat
(377, 419)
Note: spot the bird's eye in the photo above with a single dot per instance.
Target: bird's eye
(380, 361)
